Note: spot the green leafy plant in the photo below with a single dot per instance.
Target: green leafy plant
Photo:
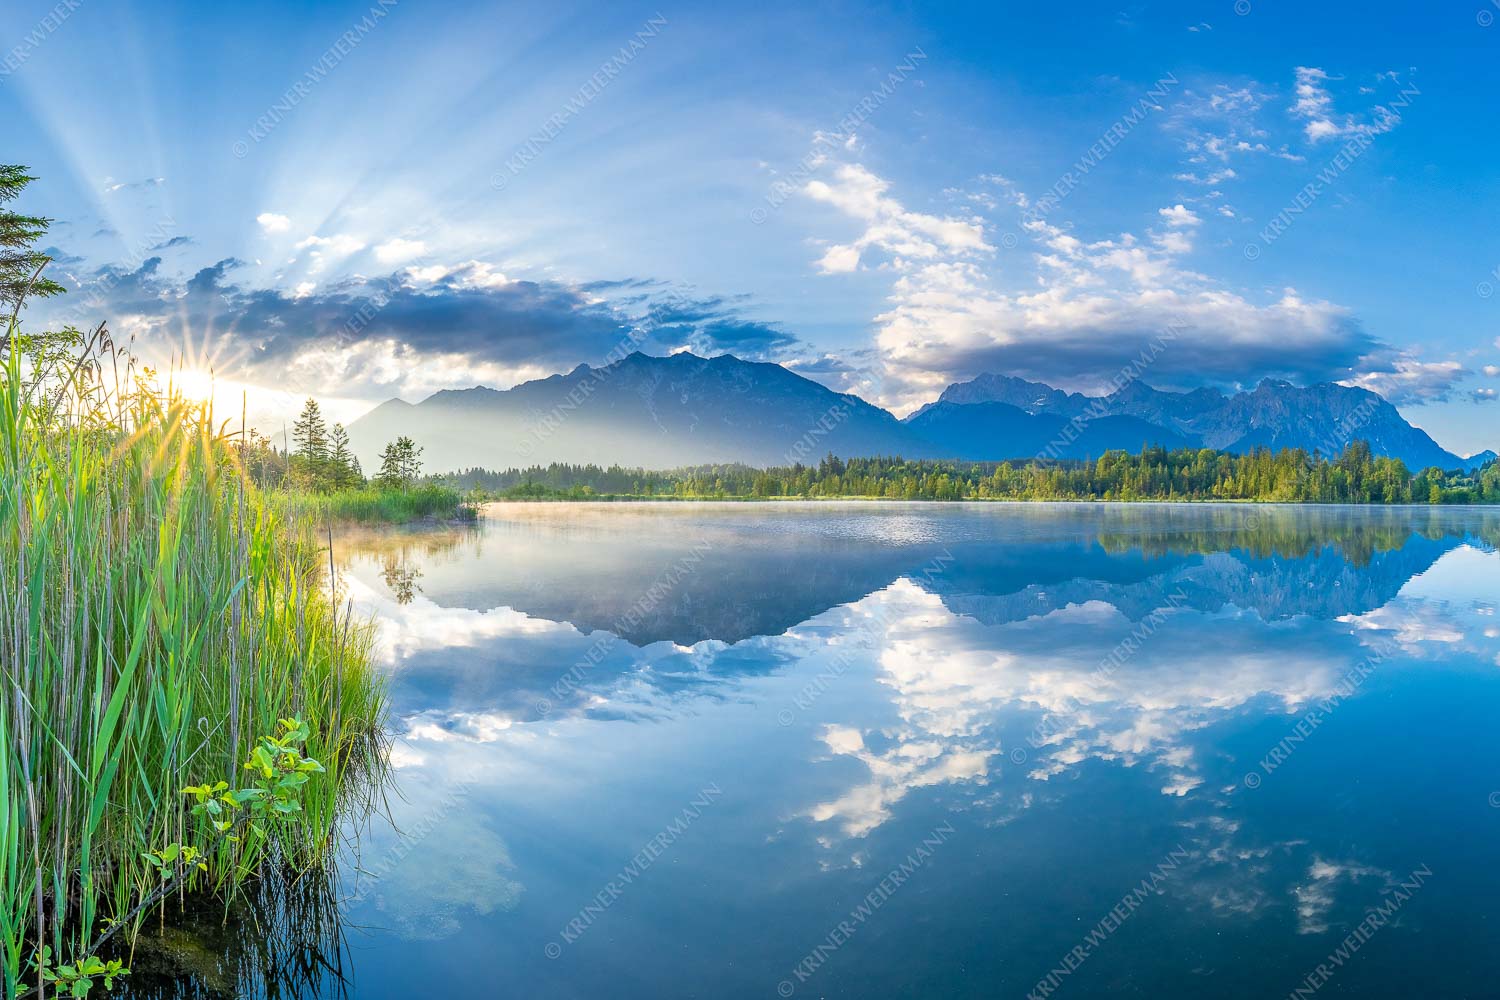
(75, 979)
(174, 859)
(279, 771)
(214, 804)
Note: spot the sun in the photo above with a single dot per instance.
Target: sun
(193, 384)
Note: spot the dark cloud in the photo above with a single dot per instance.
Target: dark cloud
(470, 312)
(1085, 355)
(828, 364)
(715, 326)
(139, 290)
(209, 280)
(61, 259)
(176, 241)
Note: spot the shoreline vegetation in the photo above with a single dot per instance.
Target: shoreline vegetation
(1155, 474)
(369, 506)
(186, 706)
(321, 477)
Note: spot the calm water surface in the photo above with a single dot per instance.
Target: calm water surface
(859, 750)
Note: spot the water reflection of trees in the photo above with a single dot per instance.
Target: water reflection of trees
(283, 937)
(400, 575)
(765, 571)
(1288, 532)
(400, 553)
(422, 542)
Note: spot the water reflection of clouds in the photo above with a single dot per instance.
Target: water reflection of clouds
(894, 772)
(955, 682)
(938, 681)
(1234, 876)
(460, 673)
(1437, 616)
(439, 862)
(463, 870)
(952, 679)
(1318, 891)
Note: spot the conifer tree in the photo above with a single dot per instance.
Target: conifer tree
(19, 260)
(343, 467)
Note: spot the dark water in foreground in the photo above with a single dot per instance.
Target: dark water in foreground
(929, 751)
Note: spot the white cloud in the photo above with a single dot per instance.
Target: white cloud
(1178, 215)
(1493, 371)
(1209, 179)
(904, 236)
(399, 251)
(1313, 100)
(1089, 309)
(273, 223)
(111, 188)
(478, 274)
(1408, 381)
(341, 245)
(1219, 126)
(1314, 104)
(839, 259)
(430, 274)
(324, 248)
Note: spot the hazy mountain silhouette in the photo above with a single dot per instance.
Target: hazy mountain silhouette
(641, 411)
(991, 431)
(1325, 417)
(664, 412)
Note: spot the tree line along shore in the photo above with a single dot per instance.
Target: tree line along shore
(1356, 476)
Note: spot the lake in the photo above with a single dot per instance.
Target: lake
(927, 750)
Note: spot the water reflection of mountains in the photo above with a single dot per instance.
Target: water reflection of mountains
(694, 574)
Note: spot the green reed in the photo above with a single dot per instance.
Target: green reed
(158, 616)
(381, 505)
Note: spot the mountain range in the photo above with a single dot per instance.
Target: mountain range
(664, 412)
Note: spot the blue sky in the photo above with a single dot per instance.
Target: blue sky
(484, 193)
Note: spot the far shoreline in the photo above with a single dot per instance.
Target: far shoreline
(484, 506)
